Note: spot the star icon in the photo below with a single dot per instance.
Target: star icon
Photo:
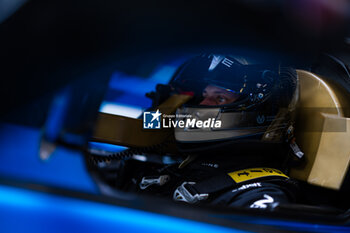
(155, 115)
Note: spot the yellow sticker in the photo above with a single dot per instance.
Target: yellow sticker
(254, 173)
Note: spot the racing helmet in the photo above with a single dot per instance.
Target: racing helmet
(233, 102)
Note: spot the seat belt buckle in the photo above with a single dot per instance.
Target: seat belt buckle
(182, 193)
(151, 180)
(296, 150)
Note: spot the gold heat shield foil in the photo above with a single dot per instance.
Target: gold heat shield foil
(129, 132)
(322, 132)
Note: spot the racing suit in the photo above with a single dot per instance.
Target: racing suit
(246, 181)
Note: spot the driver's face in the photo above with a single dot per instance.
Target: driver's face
(214, 95)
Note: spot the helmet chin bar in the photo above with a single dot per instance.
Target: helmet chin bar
(213, 124)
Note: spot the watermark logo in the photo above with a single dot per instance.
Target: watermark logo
(151, 120)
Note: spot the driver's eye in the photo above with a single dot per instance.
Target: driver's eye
(204, 94)
(221, 99)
